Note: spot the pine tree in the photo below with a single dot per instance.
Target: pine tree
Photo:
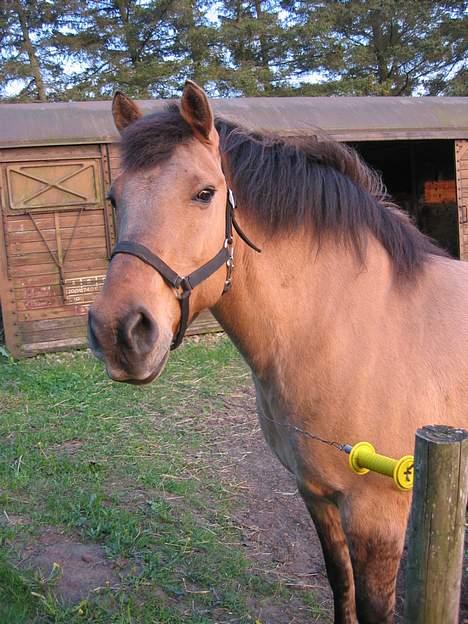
(380, 47)
(253, 36)
(196, 45)
(121, 43)
(70, 49)
(30, 68)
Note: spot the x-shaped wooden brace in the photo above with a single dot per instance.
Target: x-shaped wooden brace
(49, 185)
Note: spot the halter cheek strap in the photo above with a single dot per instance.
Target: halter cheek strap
(183, 286)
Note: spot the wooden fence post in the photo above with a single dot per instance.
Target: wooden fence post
(437, 526)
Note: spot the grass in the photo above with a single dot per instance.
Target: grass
(133, 469)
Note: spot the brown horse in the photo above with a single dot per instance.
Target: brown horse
(354, 325)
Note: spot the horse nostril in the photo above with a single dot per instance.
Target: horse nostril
(138, 331)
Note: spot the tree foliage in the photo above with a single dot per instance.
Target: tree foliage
(69, 49)
(29, 58)
(382, 47)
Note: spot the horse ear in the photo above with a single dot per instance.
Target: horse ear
(196, 110)
(124, 111)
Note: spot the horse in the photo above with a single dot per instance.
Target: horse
(354, 324)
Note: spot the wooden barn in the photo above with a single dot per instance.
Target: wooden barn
(58, 160)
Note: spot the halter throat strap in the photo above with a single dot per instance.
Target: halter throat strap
(183, 286)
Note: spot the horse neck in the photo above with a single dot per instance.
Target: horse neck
(294, 292)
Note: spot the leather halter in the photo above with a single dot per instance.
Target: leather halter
(183, 286)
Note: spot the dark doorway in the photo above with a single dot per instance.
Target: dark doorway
(420, 176)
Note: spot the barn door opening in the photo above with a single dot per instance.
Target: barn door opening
(420, 177)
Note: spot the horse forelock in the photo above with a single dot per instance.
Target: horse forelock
(287, 183)
(152, 139)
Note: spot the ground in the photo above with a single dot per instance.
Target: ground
(147, 506)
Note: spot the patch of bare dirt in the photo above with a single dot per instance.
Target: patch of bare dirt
(11, 520)
(82, 569)
(67, 448)
(277, 533)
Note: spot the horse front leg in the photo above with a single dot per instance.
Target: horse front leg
(376, 543)
(327, 521)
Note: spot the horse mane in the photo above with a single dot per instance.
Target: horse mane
(293, 182)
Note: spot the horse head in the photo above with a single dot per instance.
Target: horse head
(172, 211)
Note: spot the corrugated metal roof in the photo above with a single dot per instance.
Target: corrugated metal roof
(344, 118)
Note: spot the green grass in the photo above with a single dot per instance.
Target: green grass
(141, 482)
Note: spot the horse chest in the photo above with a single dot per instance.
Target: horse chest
(272, 418)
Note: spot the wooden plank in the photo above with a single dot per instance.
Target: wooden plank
(49, 324)
(45, 258)
(52, 279)
(49, 234)
(84, 286)
(203, 324)
(114, 160)
(38, 292)
(53, 313)
(7, 300)
(50, 301)
(38, 246)
(57, 333)
(31, 297)
(45, 221)
(50, 297)
(28, 350)
(437, 526)
(56, 152)
(114, 148)
(461, 162)
(95, 265)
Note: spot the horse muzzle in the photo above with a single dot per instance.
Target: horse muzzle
(130, 346)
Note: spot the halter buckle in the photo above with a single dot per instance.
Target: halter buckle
(183, 289)
(229, 265)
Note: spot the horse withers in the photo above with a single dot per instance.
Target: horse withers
(354, 324)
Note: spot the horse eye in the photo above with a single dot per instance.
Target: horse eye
(205, 195)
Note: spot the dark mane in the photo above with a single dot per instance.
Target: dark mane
(291, 183)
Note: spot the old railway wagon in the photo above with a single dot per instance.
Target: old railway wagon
(57, 161)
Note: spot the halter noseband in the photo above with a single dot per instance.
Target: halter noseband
(183, 286)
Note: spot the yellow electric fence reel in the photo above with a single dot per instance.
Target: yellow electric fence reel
(363, 458)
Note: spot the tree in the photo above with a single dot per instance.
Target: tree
(196, 44)
(381, 47)
(253, 36)
(27, 58)
(120, 43)
(72, 50)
